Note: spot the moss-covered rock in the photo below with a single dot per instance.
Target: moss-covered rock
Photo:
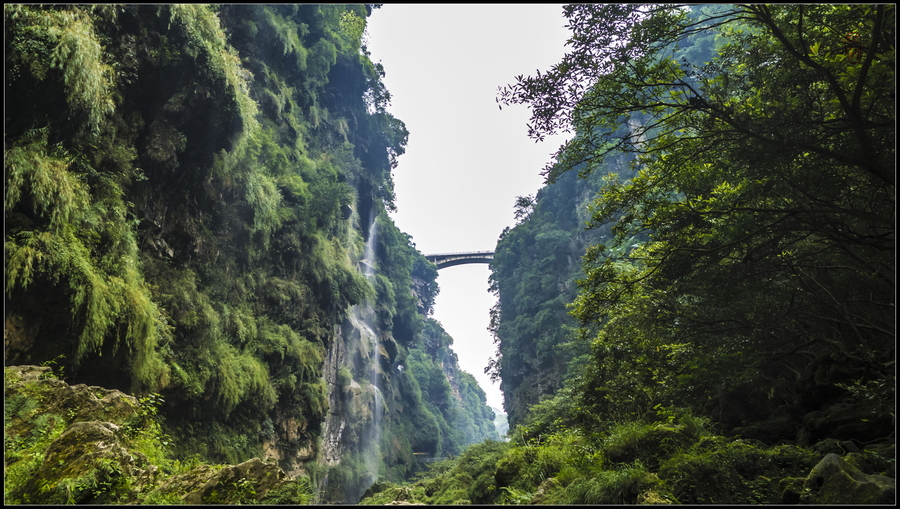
(792, 488)
(828, 446)
(858, 460)
(59, 451)
(75, 402)
(248, 482)
(88, 463)
(881, 458)
(834, 481)
(540, 494)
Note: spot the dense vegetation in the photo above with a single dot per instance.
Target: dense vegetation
(188, 193)
(754, 245)
(733, 321)
(191, 194)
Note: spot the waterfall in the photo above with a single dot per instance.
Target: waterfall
(353, 428)
(368, 260)
(371, 446)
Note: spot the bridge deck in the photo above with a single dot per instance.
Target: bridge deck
(451, 259)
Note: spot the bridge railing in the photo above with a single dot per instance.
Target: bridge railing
(453, 259)
(465, 253)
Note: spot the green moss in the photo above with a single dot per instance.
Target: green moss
(29, 431)
(104, 483)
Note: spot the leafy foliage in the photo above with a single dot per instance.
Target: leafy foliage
(741, 250)
(676, 458)
(106, 292)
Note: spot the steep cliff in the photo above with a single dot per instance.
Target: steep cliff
(534, 274)
(190, 199)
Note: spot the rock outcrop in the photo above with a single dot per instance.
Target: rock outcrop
(89, 445)
(835, 481)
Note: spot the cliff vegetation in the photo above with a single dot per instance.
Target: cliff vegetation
(189, 197)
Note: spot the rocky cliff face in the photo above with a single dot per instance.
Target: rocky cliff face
(352, 428)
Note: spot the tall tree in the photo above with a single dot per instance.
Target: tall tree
(765, 188)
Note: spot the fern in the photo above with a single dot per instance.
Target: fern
(79, 55)
(40, 173)
(205, 34)
(64, 40)
(106, 289)
(241, 377)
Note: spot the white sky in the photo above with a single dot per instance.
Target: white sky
(466, 160)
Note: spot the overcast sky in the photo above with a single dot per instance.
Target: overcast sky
(466, 160)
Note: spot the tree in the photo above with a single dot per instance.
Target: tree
(607, 79)
(764, 188)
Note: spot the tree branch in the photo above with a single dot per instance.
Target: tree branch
(870, 55)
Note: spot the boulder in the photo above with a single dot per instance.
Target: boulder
(858, 460)
(848, 420)
(247, 482)
(86, 464)
(76, 402)
(834, 481)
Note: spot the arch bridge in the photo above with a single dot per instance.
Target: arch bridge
(450, 259)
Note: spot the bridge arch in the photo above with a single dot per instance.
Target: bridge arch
(445, 260)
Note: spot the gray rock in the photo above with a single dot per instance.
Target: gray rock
(834, 481)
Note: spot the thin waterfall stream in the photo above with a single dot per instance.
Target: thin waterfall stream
(371, 444)
(352, 432)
